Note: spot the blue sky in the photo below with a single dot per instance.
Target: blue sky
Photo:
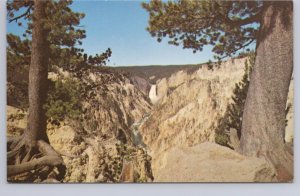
(121, 26)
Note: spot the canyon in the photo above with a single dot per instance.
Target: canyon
(154, 124)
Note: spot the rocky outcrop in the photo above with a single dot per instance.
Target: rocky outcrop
(209, 162)
(104, 139)
(96, 145)
(141, 83)
(92, 159)
(123, 136)
(188, 106)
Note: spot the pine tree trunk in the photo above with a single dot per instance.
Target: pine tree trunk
(38, 73)
(263, 126)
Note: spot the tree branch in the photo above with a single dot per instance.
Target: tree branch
(242, 22)
(26, 14)
(243, 46)
(237, 49)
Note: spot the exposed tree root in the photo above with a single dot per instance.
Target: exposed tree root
(38, 162)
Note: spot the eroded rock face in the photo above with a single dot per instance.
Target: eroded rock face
(103, 138)
(119, 129)
(141, 83)
(96, 145)
(188, 107)
(91, 159)
(209, 162)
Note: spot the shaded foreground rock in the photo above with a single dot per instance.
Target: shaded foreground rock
(209, 162)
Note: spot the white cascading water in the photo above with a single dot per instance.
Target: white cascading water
(152, 94)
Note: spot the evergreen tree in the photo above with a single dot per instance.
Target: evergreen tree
(18, 60)
(194, 24)
(64, 36)
(34, 140)
(50, 39)
(230, 26)
(233, 116)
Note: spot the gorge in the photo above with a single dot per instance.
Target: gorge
(154, 123)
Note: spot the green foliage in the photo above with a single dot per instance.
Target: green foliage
(65, 34)
(137, 178)
(16, 116)
(63, 100)
(222, 139)
(18, 60)
(234, 111)
(98, 60)
(226, 25)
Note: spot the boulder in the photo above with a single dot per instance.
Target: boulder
(210, 162)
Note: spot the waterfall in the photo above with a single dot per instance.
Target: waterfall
(153, 94)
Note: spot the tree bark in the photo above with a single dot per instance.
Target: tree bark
(263, 125)
(33, 151)
(38, 74)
